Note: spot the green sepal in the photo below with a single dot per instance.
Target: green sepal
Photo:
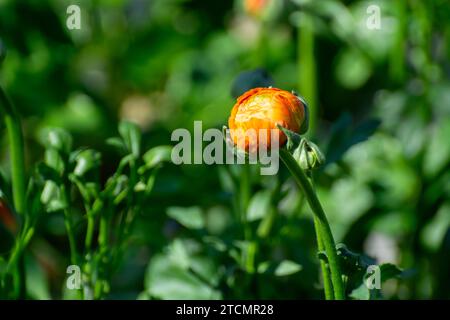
(306, 153)
(293, 138)
(305, 125)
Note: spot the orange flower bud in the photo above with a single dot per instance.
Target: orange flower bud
(262, 109)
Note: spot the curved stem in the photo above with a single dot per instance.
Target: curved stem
(325, 230)
(327, 284)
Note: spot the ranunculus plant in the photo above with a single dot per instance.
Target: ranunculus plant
(272, 109)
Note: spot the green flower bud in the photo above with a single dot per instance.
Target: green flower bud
(308, 155)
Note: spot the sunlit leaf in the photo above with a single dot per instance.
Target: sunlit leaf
(259, 205)
(157, 155)
(54, 160)
(86, 160)
(191, 217)
(131, 135)
(57, 138)
(284, 268)
(165, 279)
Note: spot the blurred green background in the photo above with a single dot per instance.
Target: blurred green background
(382, 100)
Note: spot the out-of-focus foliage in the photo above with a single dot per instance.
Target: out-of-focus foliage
(384, 126)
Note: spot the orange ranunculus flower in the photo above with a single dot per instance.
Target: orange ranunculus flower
(263, 109)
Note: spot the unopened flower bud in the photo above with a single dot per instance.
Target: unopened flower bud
(265, 109)
(308, 155)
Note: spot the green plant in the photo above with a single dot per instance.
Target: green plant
(68, 182)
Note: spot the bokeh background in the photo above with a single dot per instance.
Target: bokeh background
(381, 113)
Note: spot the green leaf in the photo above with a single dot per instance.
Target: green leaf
(305, 125)
(389, 271)
(433, 233)
(284, 268)
(287, 267)
(50, 192)
(360, 293)
(191, 218)
(54, 160)
(259, 205)
(437, 154)
(56, 205)
(293, 138)
(57, 138)
(216, 243)
(131, 135)
(351, 261)
(157, 155)
(86, 160)
(179, 254)
(117, 143)
(52, 197)
(165, 279)
(150, 182)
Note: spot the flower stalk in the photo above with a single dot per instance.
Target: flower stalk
(324, 235)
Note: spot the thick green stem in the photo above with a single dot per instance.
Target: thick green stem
(327, 284)
(326, 275)
(325, 230)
